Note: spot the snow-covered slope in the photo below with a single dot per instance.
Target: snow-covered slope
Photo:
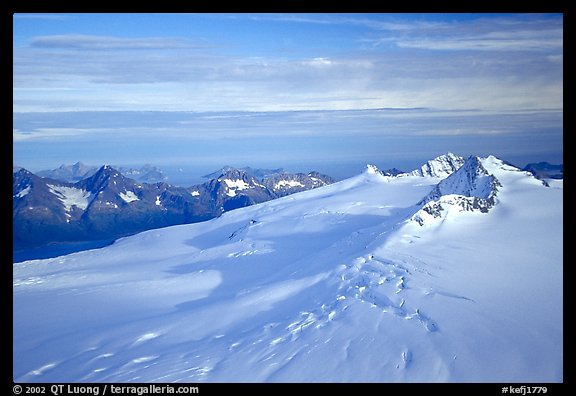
(332, 284)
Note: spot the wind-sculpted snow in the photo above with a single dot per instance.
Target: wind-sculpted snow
(334, 284)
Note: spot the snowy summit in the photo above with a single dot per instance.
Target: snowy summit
(341, 283)
(440, 167)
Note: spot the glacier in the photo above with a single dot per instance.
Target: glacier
(335, 284)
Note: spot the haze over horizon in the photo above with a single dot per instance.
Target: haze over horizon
(329, 92)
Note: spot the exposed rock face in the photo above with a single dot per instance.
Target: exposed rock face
(441, 166)
(109, 205)
(470, 188)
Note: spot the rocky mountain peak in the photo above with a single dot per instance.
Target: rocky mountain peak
(108, 204)
(371, 169)
(470, 188)
(441, 166)
(22, 179)
(235, 174)
(470, 180)
(101, 179)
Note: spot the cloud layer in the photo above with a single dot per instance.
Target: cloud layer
(509, 62)
(282, 89)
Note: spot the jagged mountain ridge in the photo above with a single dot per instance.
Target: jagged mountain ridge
(471, 187)
(545, 170)
(285, 184)
(470, 180)
(147, 173)
(105, 205)
(99, 206)
(259, 173)
(109, 205)
(238, 188)
(69, 173)
(231, 190)
(79, 171)
(441, 166)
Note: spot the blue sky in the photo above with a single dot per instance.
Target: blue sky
(301, 91)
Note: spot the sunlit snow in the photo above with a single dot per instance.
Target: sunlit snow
(335, 284)
(129, 196)
(234, 185)
(287, 184)
(71, 196)
(23, 193)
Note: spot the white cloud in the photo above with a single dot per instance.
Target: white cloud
(89, 42)
(556, 58)
(390, 22)
(53, 17)
(530, 33)
(72, 72)
(318, 62)
(49, 133)
(533, 41)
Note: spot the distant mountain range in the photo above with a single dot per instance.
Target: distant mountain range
(545, 170)
(107, 204)
(78, 171)
(260, 173)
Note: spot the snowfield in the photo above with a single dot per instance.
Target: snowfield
(288, 184)
(71, 196)
(336, 284)
(129, 196)
(234, 185)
